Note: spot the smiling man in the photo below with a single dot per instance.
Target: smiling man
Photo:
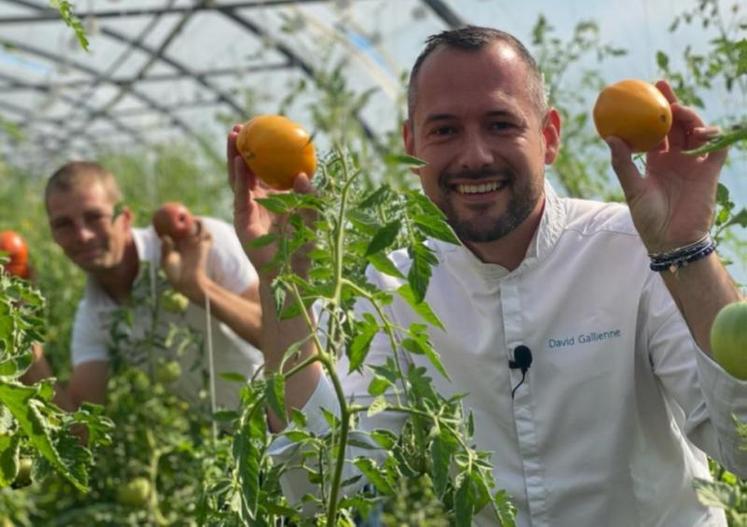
(605, 431)
(82, 198)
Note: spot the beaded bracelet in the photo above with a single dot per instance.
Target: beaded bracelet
(682, 256)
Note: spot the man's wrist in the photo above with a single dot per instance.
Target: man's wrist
(682, 256)
(196, 289)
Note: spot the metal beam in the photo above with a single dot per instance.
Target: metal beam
(48, 15)
(154, 55)
(295, 59)
(156, 77)
(26, 48)
(446, 13)
(62, 123)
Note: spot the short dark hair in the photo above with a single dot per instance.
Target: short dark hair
(73, 174)
(474, 38)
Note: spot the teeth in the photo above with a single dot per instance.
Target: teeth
(477, 189)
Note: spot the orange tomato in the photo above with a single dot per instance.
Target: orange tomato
(276, 149)
(14, 246)
(635, 111)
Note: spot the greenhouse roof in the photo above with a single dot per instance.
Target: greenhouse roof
(161, 70)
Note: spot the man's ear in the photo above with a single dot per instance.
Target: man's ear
(127, 216)
(551, 135)
(408, 137)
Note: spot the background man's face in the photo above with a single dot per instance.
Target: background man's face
(82, 224)
(483, 137)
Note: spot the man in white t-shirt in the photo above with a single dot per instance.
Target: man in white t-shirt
(81, 198)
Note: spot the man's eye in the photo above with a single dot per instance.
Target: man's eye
(95, 217)
(61, 224)
(442, 131)
(501, 125)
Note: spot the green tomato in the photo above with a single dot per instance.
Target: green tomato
(729, 339)
(135, 493)
(169, 371)
(174, 302)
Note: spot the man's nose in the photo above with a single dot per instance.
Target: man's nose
(83, 232)
(476, 153)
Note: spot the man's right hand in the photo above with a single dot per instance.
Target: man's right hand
(252, 220)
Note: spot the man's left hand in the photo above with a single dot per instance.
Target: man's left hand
(673, 203)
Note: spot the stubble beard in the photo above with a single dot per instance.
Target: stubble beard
(483, 226)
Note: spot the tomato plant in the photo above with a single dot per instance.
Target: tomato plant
(356, 226)
(31, 424)
(198, 477)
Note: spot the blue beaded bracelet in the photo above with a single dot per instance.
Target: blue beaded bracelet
(680, 257)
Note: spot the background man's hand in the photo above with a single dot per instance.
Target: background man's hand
(185, 261)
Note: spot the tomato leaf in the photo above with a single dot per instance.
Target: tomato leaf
(248, 455)
(9, 449)
(506, 510)
(374, 475)
(20, 400)
(419, 344)
(441, 451)
(464, 501)
(16, 365)
(419, 274)
(377, 406)
(377, 197)
(365, 330)
(275, 395)
(263, 241)
(384, 238)
(420, 307)
(722, 140)
(384, 265)
(435, 227)
(404, 159)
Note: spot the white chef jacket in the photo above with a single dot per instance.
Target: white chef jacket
(228, 266)
(619, 405)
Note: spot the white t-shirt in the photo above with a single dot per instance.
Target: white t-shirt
(619, 405)
(228, 266)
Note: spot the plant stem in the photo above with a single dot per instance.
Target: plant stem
(344, 430)
(152, 475)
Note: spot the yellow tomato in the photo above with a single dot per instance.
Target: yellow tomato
(276, 149)
(635, 111)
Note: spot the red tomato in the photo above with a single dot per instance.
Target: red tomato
(173, 219)
(14, 246)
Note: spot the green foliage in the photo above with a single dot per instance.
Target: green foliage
(726, 491)
(582, 165)
(728, 137)
(726, 60)
(73, 22)
(356, 224)
(29, 422)
(365, 208)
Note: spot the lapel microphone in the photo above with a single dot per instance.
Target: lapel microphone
(522, 361)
